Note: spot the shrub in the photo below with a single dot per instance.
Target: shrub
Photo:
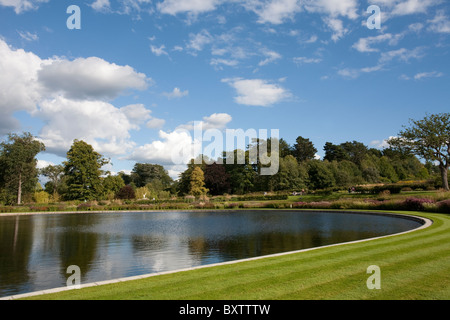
(416, 204)
(126, 193)
(444, 206)
(41, 197)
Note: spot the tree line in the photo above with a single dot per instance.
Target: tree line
(347, 164)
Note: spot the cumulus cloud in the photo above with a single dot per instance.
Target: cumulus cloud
(90, 78)
(174, 7)
(392, 8)
(101, 5)
(172, 148)
(257, 92)
(214, 121)
(274, 11)
(365, 44)
(175, 149)
(22, 5)
(19, 88)
(69, 98)
(158, 51)
(333, 8)
(99, 123)
(155, 123)
(176, 93)
(337, 26)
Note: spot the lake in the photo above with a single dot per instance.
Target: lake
(35, 250)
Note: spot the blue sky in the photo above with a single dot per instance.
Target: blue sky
(139, 69)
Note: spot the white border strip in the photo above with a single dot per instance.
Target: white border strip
(426, 223)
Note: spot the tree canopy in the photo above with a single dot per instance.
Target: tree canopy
(18, 172)
(428, 138)
(83, 171)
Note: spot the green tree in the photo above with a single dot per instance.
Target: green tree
(111, 185)
(356, 151)
(291, 175)
(428, 138)
(54, 174)
(320, 176)
(18, 164)
(304, 149)
(334, 152)
(242, 176)
(144, 173)
(197, 183)
(83, 171)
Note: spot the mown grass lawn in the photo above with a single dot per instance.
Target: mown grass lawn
(415, 265)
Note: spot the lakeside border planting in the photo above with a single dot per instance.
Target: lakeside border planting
(431, 201)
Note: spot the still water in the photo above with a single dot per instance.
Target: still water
(36, 250)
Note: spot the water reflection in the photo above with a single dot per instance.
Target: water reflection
(36, 250)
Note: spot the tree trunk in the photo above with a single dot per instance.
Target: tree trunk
(444, 175)
(19, 190)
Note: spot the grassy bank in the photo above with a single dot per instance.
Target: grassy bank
(415, 265)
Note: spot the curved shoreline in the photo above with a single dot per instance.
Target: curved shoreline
(425, 224)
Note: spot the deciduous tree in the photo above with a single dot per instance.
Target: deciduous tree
(18, 163)
(428, 138)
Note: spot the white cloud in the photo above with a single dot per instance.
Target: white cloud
(199, 40)
(174, 7)
(19, 89)
(440, 23)
(381, 144)
(312, 39)
(22, 5)
(67, 96)
(172, 148)
(158, 51)
(136, 7)
(101, 5)
(413, 6)
(136, 113)
(90, 78)
(43, 163)
(257, 92)
(214, 121)
(302, 60)
(98, 123)
(28, 36)
(337, 26)
(364, 44)
(433, 74)
(155, 123)
(355, 73)
(404, 7)
(273, 11)
(333, 8)
(176, 93)
(271, 57)
(226, 62)
(401, 54)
